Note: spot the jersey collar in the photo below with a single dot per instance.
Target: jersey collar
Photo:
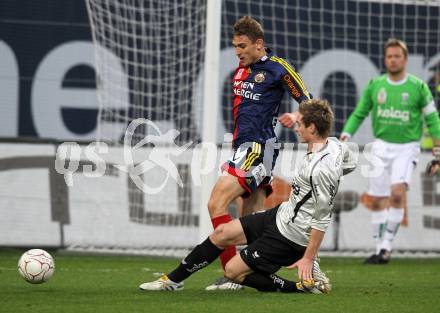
(266, 57)
(400, 82)
(324, 146)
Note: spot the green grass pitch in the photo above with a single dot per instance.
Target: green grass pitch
(98, 283)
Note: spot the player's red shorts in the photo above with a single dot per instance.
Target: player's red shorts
(252, 163)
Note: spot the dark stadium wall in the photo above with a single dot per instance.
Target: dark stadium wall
(32, 30)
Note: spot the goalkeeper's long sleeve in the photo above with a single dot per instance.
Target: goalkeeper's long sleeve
(361, 111)
(433, 122)
(430, 113)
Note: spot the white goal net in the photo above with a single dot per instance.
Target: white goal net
(150, 65)
(148, 56)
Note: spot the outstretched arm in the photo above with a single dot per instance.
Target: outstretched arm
(295, 87)
(305, 264)
(324, 185)
(356, 118)
(288, 119)
(432, 120)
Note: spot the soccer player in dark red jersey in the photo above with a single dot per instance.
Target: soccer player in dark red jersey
(259, 84)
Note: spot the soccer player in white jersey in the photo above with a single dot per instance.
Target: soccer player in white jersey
(398, 102)
(288, 235)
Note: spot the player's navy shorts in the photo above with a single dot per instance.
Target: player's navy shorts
(267, 250)
(252, 163)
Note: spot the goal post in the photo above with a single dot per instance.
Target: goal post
(211, 104)
(149, 55)
(171, 63)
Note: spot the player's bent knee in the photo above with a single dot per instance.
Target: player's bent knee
(230, 273)
(220, 237)
(377, 204)
(396, 199)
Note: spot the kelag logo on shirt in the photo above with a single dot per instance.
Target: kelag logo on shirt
(391, 113)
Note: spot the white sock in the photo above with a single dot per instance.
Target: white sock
(395, 217)
(378, 221)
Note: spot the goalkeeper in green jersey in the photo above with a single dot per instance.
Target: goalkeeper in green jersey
(399, 103)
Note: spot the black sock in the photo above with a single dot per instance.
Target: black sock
(200, 257)
(272, 282)
(283, 284)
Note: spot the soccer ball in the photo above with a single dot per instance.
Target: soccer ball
(36, 266)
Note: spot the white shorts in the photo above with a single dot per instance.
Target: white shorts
(390, 164)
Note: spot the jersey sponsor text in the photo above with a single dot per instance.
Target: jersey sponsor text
(392, 113)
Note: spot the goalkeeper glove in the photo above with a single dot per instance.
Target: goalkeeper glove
(434, 165)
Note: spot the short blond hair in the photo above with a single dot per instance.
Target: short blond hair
(247, 26)
(394, 42)
(318, 112)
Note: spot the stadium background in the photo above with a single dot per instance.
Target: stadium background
(47, 87)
